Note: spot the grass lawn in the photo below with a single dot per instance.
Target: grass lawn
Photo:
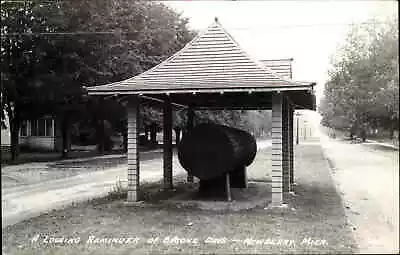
(313, 222)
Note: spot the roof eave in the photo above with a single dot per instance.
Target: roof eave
(96, 91)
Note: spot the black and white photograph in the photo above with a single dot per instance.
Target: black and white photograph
(199, 127)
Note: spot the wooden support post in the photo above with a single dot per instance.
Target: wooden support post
(189, 126)
(167, 143)
(291, 148)
(228, 188)
(238, 178)
(285, 148)
(133, 149)
(297, 129)
(245, 178)
(276, 159)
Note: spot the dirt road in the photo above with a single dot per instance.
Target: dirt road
(26, 201)
(368, 179)
(35, 172)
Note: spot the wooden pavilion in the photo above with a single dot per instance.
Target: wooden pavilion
(214, 72)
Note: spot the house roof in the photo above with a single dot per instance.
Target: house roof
(282, 67)
(212, 61)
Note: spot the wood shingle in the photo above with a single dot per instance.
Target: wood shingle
(282, 67)
(212, 60)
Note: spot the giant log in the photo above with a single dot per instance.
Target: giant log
(210, 150)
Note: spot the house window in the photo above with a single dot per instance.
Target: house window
(41, 127)
(24, 128)
(34, 128)
(49, 127)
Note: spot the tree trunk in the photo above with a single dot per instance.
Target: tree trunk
(125, 141)
(363, 134)
(14, 123)
(14, 130)
(153, 134)
(146, 132)
(353, 130)
(177, 135)
(100, 135)
(66, 135)
(391, 134)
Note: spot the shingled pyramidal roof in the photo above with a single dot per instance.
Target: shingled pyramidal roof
(213, 59)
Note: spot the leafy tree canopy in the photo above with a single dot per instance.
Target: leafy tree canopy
(363, 85)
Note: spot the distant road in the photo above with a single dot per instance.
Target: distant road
(368, 180)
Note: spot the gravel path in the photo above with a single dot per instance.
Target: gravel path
(368, 179)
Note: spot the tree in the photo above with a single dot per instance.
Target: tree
(124, 38)
(26, 59)
(363, 84)
(50, 50)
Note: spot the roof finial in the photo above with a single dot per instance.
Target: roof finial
(216, 19)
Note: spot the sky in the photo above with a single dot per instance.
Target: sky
(307, 31)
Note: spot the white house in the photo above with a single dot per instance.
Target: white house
(43, 134)
(39, 134)
(5, 136)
